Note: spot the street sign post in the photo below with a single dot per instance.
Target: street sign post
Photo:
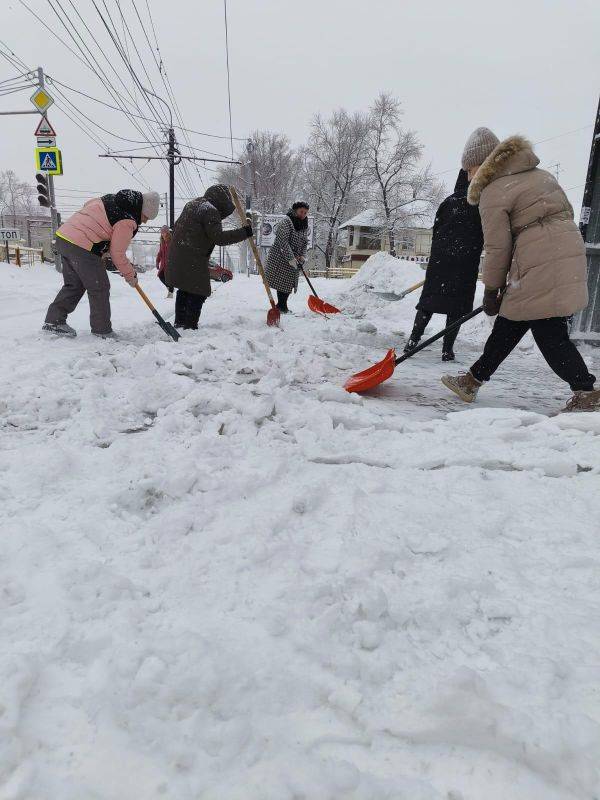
(9, 235)
(49, 160)
(41, 100)
(44, 128)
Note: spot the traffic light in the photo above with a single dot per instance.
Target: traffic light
(43, 190)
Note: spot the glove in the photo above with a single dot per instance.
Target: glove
(492, 300)
(248, 228)
(133, 281)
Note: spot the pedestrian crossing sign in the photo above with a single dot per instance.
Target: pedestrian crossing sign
(49, 160)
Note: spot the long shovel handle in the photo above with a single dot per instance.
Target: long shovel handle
(312, 288)
(438, 335)
(257, 258)
(166, 326)
(411, 289)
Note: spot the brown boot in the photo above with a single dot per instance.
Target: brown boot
(584, 401)
(463, 384)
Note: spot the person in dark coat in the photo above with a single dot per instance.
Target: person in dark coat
(288, 253)
(197, 231)
(453, 267)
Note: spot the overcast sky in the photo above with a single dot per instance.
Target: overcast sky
(527, 66)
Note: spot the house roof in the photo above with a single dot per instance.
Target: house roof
(369, 218)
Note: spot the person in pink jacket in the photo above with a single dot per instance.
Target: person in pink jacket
(104, 224)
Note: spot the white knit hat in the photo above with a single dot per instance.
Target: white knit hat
(150, 204)
(478, 147)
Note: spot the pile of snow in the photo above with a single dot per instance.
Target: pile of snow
(385, 273)
(223, 577)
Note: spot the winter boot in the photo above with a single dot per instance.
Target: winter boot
(107, 335)
(584, 401)
(448, 355)
(60, 329)
(463, 384)
(410, 345)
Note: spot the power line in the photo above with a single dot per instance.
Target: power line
(228, 77)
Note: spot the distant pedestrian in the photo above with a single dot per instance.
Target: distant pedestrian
(288, 253)
(162, 257)
(535, 265)
(197, 231)
(104, 224)
(453, 267)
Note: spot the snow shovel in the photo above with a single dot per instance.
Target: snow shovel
(166, 326)
(393, 297)
(384, 369)
(273, 314)
(315, 303)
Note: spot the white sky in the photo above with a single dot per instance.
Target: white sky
(530, 67)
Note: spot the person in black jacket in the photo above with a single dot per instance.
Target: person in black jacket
(453, 267)
(197, 231)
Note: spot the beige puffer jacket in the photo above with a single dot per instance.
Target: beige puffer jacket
(532, 246)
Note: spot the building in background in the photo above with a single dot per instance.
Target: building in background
(586, 325)
(362, 236)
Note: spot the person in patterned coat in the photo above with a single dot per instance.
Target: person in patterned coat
(288, 254)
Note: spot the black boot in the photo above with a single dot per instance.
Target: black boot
(448, 355)
(421, 321)
(282, 298)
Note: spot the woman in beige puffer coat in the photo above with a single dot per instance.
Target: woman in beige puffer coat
(535, 272)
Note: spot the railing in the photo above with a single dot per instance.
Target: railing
(22, 256)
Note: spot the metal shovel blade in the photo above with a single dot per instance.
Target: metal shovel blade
(273, 317)
(373, 376)
(320, 306)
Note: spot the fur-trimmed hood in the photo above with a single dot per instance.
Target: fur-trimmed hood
(511, 156)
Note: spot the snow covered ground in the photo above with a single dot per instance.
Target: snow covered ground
(224, 578)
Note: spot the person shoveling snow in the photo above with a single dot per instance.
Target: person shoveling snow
(106, 223)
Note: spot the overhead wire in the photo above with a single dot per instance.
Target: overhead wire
(228, 77)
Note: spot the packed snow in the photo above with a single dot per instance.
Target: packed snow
(223, 577)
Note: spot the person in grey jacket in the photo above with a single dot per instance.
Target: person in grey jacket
(288, 253)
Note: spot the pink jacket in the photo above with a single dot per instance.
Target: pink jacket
(90, 225)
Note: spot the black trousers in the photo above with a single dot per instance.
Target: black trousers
(552, 338)
(187, 309)
(161, 278)
(282, 298)
(422, 320)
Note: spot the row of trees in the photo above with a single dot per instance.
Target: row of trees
(16, 197)
(350, 162)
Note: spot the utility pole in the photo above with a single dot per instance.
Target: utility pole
(171, 159)
(248, 183)
(52, 196)
(166, 204)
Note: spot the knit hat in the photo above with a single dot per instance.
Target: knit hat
(150, 204)
(478, 147)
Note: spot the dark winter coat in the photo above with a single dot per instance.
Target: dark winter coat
(456, 248)
(196, 233)
(291, 242)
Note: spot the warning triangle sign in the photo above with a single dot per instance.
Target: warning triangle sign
(49, 162)
(44, 128)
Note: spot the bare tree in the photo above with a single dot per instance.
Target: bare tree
(16, 196)
(403, 192)
(335, 170)
(270, 173)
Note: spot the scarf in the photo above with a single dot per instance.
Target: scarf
(299, 224)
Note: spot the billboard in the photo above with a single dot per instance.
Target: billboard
(267, 227)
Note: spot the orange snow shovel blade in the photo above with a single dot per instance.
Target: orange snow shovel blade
(373, 376)
(273, 317)
(384, 369)
(320, 306)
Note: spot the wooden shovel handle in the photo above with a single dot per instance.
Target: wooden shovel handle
(257, 258)
(144, 297)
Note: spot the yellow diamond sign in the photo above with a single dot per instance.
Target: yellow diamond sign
(41, 100)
